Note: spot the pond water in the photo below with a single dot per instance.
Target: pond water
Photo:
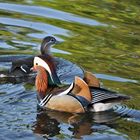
(101, 36)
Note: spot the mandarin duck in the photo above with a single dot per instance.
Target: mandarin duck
(79, 97)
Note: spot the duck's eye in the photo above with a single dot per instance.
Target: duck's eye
(52, 40)
(36, 64)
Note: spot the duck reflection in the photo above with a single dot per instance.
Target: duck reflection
(17, 80)
(46, 125)
(51, 122)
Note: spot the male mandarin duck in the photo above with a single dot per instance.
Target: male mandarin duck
(79, 97)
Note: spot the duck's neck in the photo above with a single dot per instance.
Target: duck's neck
(41, 83)
(45, 48)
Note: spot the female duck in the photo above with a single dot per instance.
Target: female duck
(77, 98)
(23, 65)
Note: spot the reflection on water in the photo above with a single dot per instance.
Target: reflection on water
(115, 78)
(54, 123)
(36, 26)
(47, 12)
(101, 36)
(130, 114)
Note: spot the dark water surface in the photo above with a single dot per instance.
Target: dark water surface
(101, 36)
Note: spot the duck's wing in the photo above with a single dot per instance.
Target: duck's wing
(23, 64)
(101, 95)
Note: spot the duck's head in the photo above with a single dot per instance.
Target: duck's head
(47, 42)
(47, 63)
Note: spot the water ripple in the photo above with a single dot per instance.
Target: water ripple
(49, 29)
(6, 46)
(130, 114)
(48, 13)
(115, 78)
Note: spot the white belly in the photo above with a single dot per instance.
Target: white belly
(98, 107)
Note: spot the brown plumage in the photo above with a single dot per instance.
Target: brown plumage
(81, 89)
(91, 80)
(49, 60)
(41, 82)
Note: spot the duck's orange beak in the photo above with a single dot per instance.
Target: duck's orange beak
(33, 69)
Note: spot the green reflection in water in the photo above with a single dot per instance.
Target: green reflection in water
(112, 49)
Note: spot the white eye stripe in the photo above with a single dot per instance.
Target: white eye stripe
(42, 63)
